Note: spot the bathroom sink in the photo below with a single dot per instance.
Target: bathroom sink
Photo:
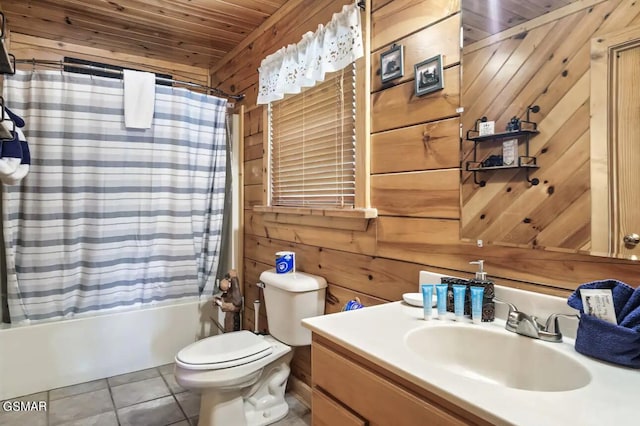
(499, 357)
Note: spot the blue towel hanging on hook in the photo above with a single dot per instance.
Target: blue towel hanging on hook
(19, 121)
(15, 157)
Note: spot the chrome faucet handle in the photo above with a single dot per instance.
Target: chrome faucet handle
(551, 326)
(550, 332)
(512, 307)
(517, 322)
(538, 323)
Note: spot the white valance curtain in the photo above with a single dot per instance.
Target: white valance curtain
(330, 48)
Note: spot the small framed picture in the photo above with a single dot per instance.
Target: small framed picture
(392, 63)
(429, 77)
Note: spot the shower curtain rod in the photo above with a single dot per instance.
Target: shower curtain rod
(209, 89)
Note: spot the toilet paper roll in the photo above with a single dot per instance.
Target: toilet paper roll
(285, 262)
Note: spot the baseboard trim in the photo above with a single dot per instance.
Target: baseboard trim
(300, 390)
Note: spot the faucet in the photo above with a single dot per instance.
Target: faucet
(528, 325)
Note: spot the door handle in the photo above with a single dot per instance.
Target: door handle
(632, 239)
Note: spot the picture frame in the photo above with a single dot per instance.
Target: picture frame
(428, 76)
(392, 63)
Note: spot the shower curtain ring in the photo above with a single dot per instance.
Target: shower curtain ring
(33, 64)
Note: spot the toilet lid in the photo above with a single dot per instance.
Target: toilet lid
(223, 351)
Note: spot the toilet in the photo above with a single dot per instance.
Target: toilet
(242, 376)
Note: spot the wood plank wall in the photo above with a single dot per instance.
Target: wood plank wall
(415, 172)
(29, 47)
(546, 66)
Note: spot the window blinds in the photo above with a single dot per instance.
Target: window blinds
(312, 138)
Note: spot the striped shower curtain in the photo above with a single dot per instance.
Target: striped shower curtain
(110, 218)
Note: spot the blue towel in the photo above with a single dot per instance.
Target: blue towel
(608, 342)
(619, 344)
(630, 313)
(15, 118)
(621, 294)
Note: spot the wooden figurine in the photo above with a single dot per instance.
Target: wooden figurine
(231, 301)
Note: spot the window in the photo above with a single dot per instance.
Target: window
(313, 145)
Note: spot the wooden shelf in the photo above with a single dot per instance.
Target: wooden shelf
(525, 161)
(501, 136)
(351, 219)
(480, 168)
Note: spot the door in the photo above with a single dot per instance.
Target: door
(626, 145)
(615, 144)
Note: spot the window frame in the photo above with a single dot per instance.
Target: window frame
(362, 207)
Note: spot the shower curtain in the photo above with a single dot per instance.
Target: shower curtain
(110, 218)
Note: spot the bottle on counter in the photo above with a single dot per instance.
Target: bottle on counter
(481, 280)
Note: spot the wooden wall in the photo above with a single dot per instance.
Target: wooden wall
(415, 178)
(29, 47)
(548, 66)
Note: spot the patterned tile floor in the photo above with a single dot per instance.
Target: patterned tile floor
(142, 398)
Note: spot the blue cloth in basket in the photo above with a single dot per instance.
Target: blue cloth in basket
(621, 294)
(619, 344)
(630, 314)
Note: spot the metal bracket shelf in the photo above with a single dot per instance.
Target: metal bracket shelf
(527, 162)
(480, 168)
(499, 136)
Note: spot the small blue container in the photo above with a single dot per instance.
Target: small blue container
(441, 293)
(477, 297)
(458, 300)
(427, 297)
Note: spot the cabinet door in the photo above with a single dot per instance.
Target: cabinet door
(327, 412)
(373, 397)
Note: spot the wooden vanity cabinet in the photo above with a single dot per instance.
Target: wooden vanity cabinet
(349, 390)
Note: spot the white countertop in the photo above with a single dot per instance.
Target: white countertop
(378, 334)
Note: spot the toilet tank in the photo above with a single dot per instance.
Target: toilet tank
(289, 298)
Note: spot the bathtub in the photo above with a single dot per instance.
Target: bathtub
(39, 357)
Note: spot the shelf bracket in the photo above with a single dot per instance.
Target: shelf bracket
(482, 183)
(533, 181)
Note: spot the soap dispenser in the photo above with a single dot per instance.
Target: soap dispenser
(481, 280)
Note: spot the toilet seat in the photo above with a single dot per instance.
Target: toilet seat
(224, 351)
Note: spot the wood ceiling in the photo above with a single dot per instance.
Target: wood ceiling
(191, 32)
(482, 18)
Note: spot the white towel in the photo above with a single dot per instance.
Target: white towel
(139, 98)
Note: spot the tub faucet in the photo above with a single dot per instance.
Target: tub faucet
(528, 325)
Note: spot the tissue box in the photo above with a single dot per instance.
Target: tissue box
(609, 342)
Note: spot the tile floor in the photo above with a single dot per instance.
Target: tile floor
(143, 398)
